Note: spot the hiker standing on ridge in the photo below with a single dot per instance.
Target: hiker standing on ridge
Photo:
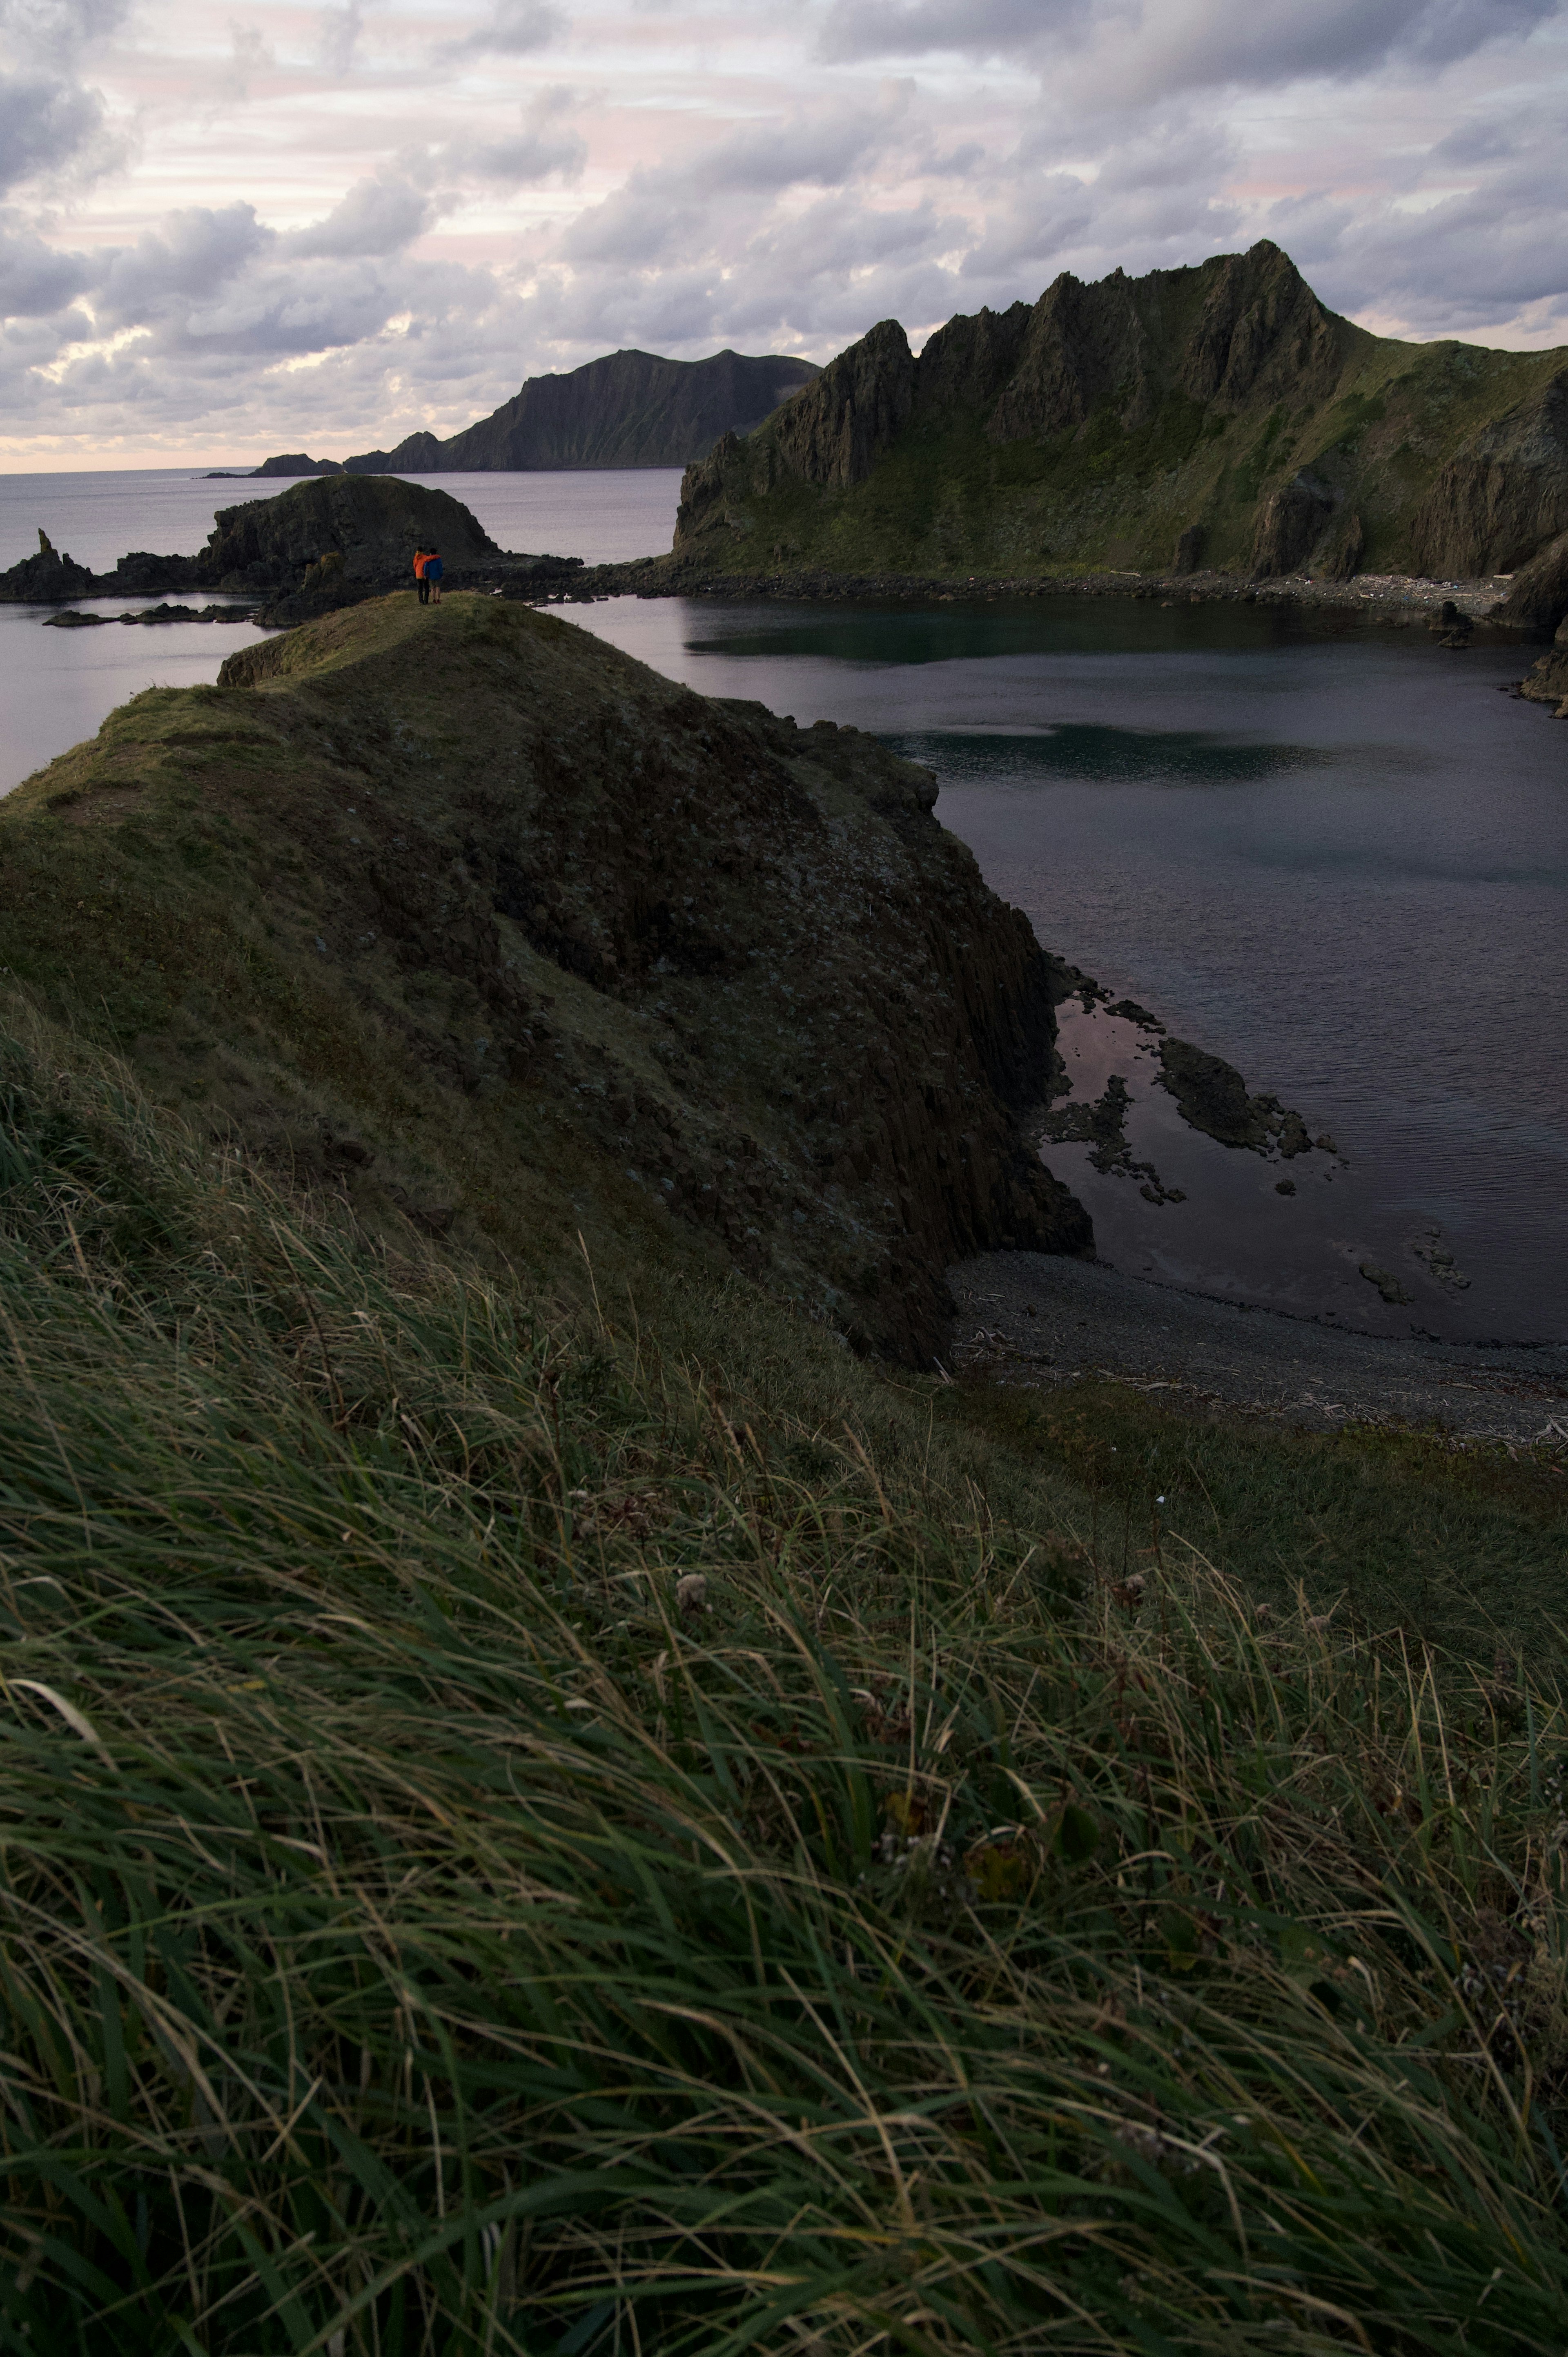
(432, 572)
(420, 560)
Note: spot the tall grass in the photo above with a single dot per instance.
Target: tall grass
(506, 1847)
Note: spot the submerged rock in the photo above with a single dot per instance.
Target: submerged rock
(1212, 1096)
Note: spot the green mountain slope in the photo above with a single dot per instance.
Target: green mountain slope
(1219, 416)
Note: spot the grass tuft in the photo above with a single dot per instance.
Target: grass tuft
(516, 1838)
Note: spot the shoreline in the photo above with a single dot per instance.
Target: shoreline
(1031, 1320)
(1398, 599)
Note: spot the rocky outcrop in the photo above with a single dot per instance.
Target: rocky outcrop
(416, 453)
(1290, 525)
(1548, 682)
(831, 435)
(1502, 495)
(1537, 596)
(1084, 347)
(556, 913)
(46, 578)
(296, 462)
(375, 527)
(1261, 334)
(1093, 429)
(834, 432)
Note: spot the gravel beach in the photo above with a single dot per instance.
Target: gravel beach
(1028, 1318)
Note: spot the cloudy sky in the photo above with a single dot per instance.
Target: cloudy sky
(252, 225)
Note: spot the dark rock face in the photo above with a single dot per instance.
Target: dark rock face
(1289, 526)
(834, 432)
(45, 578)
(1493, 505)
(1188, 554)
(1262, 333)
(375, 527)
(1548, 681)
(966, 364)
(1538, 598)
(630, 409)
(831, 434)
(1084, 346)
(722, 969)
(140, 574)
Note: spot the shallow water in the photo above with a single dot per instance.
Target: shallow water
(59, 685)
(1337, 858)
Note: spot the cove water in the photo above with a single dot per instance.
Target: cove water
(1336, 857)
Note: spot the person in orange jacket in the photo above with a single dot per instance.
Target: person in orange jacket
(419, 563)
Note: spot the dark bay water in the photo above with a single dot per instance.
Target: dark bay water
(1337, 858)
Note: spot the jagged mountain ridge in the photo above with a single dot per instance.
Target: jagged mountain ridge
(627, 409)
(1220, 416)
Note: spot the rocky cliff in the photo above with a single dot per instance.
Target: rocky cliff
(443, 904)
(1220, 415)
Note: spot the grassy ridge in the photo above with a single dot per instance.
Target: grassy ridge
(521, 1835)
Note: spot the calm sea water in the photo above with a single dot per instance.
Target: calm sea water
(1339, 861)
(59, 685)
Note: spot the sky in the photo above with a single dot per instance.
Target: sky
(248, 226)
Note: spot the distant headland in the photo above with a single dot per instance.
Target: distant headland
(629, 409)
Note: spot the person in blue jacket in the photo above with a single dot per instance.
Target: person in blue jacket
(433, 575)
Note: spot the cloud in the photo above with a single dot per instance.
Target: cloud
(341, 31)
(1145, 49)
(673, 207)
(45, 126)
(249, 55)
(913, 28)
(377, 217)
(56, 32)
(38, 280)
(545, 148)
(739, 174)
(515, 28)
